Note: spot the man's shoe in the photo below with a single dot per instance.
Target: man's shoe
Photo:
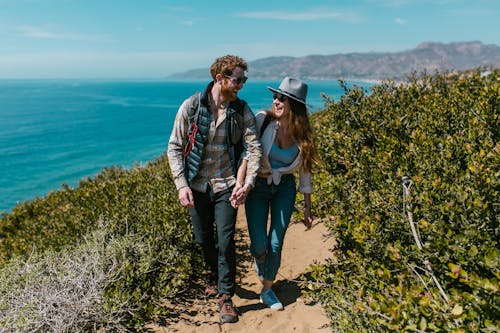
(211, 290)
(269, 298)
(227, 310)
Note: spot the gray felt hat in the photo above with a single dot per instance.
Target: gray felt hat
(292, 88)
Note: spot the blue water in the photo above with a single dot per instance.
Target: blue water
(55, 132)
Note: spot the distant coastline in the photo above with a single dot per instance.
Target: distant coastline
(371, 67)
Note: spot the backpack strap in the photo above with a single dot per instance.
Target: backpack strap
(236, 122)
(193, 113)
(235, 127)
(266, 122)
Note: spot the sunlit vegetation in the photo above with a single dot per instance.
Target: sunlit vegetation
(425, 152)
(408, 187)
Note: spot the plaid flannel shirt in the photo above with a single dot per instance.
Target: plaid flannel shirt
(215, 169)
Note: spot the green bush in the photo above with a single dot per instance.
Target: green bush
(441, 132)
(141, 204)
(138, 200)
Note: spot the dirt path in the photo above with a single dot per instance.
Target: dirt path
(301, 249)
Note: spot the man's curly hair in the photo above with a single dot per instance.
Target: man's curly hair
(226, 64)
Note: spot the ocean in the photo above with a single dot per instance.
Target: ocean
(55, 132)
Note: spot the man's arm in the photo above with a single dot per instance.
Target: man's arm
(175, 154)
(241, 189)
(247, 171)
(252, 150)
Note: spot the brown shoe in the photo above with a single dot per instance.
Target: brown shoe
(227, 310)
(211, 290)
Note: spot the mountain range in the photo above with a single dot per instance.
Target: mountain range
(429, 56)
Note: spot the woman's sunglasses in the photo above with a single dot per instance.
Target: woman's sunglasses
(279, 97)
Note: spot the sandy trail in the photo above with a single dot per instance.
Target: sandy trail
(301, 249)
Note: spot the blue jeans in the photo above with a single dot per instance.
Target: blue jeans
(266, 245)
(214, 222)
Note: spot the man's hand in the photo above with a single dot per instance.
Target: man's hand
(239, 194)
(186, 197)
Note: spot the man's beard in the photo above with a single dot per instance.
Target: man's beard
(228, 94)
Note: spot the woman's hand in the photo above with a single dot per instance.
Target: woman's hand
(308, 219)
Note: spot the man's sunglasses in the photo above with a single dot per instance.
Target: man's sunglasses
(237, 80)
(279, 97)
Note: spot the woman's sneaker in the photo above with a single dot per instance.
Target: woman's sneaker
(269, 298)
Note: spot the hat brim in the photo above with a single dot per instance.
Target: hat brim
(279, 91)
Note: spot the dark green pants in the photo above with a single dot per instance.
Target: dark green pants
(214, 221)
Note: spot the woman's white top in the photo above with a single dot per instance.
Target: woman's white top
(273, 175)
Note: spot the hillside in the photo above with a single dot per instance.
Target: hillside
(406, 237)
(428, 56)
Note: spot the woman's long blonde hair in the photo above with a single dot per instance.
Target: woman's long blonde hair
(301, 131)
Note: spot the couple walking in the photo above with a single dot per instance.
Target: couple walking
(222, 155)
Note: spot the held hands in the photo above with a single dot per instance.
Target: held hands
(239, 194)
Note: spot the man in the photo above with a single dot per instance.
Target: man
(213, 133)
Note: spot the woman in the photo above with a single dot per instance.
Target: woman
(287, 147)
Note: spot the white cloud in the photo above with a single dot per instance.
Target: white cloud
(401, 21)
(50, 32)
(396, 3)
(311, 15)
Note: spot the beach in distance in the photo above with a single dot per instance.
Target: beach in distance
(57, 132)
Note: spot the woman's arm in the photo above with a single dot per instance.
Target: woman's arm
(308, 219)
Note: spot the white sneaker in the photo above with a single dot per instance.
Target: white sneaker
(269, 298)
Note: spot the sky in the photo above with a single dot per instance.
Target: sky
(157, 38)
